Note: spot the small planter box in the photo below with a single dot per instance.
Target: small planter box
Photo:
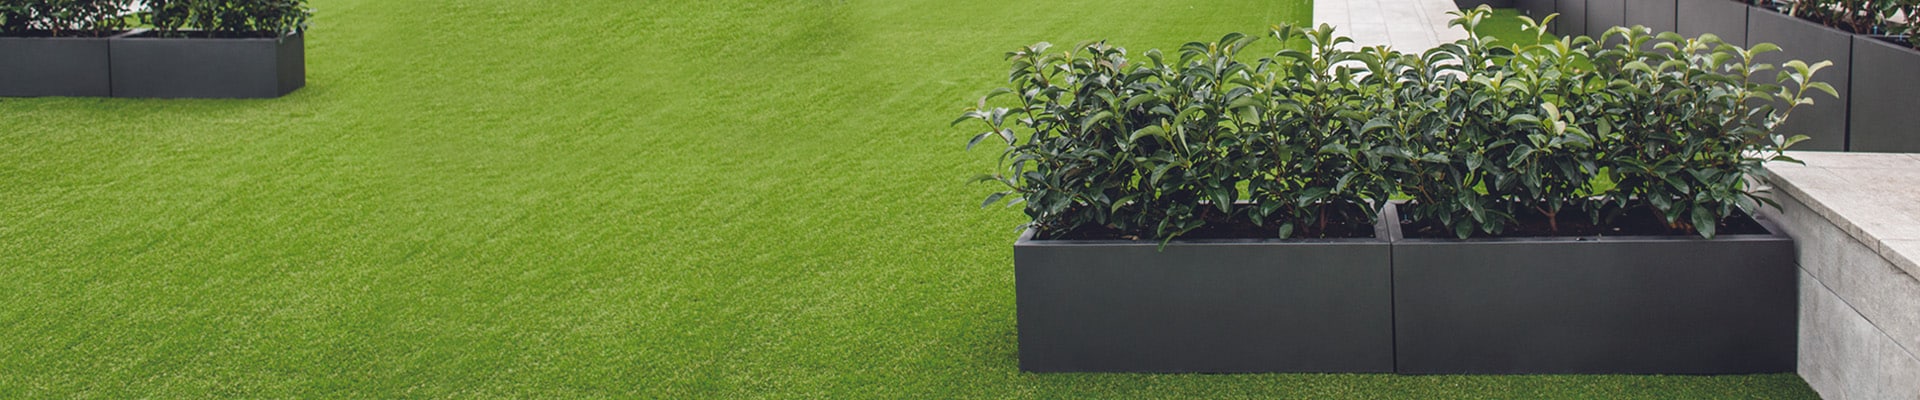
(1573, 17)
(1603, 15)
(1657, 15)
(1724, 18)
(1205, 305)
(1609, 305)
(54, 66)
(149, 66)
(1826, 120)
(1883, 117)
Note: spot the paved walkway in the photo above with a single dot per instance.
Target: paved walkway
(1407, 25)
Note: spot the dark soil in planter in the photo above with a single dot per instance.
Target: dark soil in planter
(1637, 221)
(1349, 226)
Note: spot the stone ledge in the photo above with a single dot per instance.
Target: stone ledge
(1873, 197)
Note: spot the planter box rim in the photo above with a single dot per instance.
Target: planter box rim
(1026, 239)
(1383, 233)
(1803, 20)
(141, 34)
(1882, 40)
(1773, 233)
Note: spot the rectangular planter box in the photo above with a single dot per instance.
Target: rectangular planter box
(1657, 15)
(1205, 305)
(1536, 9)
(1826, 120)
(1605, 14)
(50, 66)
(1882, 114)
(1724, 18)
(1609, 305)
(148, 66)
(1573, 18)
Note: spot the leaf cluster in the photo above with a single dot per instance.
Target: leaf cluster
(1869, 17)
(269, 18)
(1477, 132)
(58, 18)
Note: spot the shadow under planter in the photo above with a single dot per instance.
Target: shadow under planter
(1883, 117)
(55, 66)
(1596, 305)
(1724, 18)
(145, 65)
(1824, 122)
(1297, 305)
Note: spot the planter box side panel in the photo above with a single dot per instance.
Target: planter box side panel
(292, 67)
(1825, 122)
(34, 67)
(1573, 17)
(204, 68)
(1205, 308)
(1724, 18)
(1603, 15)
(1657, 15)
(1883, 117)
(1634, 307)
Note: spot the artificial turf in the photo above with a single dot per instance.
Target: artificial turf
(657, 199)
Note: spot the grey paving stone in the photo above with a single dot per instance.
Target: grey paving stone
(1843, 356)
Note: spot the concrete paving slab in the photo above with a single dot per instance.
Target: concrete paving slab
(1410, 26)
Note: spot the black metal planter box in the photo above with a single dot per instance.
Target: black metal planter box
(1724, 18)
(1825, 122)
(1883, 117)
(1611, 305)
(1573, 17)
(54, 66)
(1205, 305)
(1603, 15)
(149, 66)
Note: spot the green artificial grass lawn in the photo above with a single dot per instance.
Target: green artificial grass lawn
(510, 198)
(1505, 24)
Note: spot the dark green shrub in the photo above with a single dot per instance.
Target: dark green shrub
(1665, 123)
(63, 17)
(264, 18)
(1477, 133)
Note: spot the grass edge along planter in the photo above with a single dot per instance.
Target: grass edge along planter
(56, 66)
(1824, 122)
(149, 66)
(1596, 305)
(1881, 117)
(1254, 305)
